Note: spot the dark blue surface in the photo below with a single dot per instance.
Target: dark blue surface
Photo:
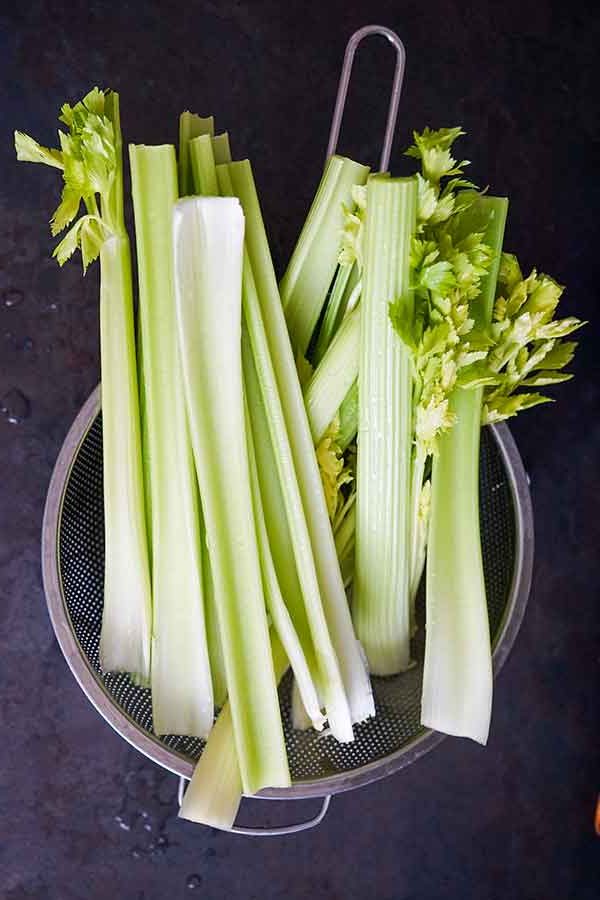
(513, 820)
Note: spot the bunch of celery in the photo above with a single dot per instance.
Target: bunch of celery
(415, 387)
(267, 448)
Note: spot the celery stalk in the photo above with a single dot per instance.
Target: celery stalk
(202, 158)
(309, 274)
(280, 617)
(199, 164)
(348, 418)
(214, 794)
(208, 237)
(90, 160)
(221, 149)
(341, 289)
(334, 376)
(331, 588)
(457, 679)
(182, 699)
(381, 608)
(190, 126)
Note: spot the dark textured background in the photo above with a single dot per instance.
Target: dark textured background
(510, 821)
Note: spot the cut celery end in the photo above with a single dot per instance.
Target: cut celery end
(202, 159)
(215, 792)
(381, 608)
(457, 677)
(208, 243)
(309, 274)
(333, 597)
(334, 376)
(182, 701)
(127, 608)
(221, 148)
(190, 126)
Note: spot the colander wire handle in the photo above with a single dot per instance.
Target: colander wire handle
(268, 832)
(340, 100)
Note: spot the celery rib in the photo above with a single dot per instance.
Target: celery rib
(457, 677)
(208, 243)
(334, 376)
(381, 608)
(182, 700)
(307, 279)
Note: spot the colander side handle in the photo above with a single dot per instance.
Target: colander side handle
(269, 832)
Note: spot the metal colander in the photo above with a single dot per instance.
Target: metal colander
(73, 566)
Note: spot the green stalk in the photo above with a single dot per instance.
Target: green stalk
(91, 163)
(221, 149)
(331, 588)
(214, 794)
(280, 617)
(348, 418)
(334, 376)
(202, 158)
(182, 700)
(381, 607)
(457, 679)
(201, 174)
(208, 234)
(190, 126)
(343, 285)
(309, 274)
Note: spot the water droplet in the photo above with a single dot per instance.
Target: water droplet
(27, 343)
(162, 841)
(137, 852)
(123, 823)
(193, 882)
(12, 297)
(15, 406)
(147, 826)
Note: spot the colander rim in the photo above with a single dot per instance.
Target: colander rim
(176, 762)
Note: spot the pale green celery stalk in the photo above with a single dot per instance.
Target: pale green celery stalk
(331, 588)
(273, 505)
(381, 606)
(334, 310)
(348, 418)
(127, 609)
(457, 678)
(202, 158)
(221, 149)
(214, 794)
(182, 698)
(208, 237)
(213, 638)
(190, 126)
(90, 160)
(334, 376)
(309, 274)
(201, 161)
(280, 616)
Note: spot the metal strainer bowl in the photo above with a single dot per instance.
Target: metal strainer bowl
(73, 569)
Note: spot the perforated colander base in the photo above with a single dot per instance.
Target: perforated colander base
(81, 570)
